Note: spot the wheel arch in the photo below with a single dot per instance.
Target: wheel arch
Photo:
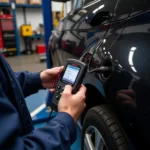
(94, 97)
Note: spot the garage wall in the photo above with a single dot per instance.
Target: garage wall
(34, 17)
(56, 6)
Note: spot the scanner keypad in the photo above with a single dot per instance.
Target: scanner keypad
(59, 90)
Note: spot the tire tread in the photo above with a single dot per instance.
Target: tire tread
(113, 126)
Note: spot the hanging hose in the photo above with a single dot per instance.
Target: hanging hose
(102, 69)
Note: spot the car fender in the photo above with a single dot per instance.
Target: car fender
(91, 80)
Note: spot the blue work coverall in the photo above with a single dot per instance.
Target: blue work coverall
(16, 129)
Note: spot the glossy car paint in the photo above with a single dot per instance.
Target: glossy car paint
(122, 41)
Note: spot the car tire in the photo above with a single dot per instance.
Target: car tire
(102, 131)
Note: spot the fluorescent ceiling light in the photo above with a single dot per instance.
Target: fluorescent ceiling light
(131, 58)
(96, 1)
(133, 48)
(95, 10)
(133, 68)
(104, 41)
(100, 7)
(120, 66)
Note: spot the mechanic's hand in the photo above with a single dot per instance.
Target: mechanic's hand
(72, 104)
(50, 77)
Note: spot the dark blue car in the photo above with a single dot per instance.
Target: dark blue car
(111, 33)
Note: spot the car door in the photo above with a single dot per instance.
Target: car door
(79, 34)
(133, 56)
(126, 47)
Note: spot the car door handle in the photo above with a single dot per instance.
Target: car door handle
(95, 19)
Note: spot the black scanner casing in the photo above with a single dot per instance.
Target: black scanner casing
(61, 84)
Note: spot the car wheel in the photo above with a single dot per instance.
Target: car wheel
(102, 131)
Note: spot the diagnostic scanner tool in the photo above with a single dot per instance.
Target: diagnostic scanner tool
(73, 74)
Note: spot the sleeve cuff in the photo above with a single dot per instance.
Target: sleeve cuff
(35, 80)
(66, 119)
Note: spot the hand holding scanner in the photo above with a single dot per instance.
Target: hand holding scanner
(73, 74)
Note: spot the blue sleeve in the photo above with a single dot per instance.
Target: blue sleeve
(29, 82)
(58, 134)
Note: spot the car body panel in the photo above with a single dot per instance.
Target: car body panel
(130, 52)
(78, 35)
(122, 42)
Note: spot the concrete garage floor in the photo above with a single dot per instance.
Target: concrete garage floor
(26, 62)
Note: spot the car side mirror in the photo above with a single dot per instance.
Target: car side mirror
(95, 19)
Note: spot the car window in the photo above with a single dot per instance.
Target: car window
(77, 4)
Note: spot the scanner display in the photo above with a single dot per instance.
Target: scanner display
(70, 74)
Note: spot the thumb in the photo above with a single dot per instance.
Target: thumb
(67, 90)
